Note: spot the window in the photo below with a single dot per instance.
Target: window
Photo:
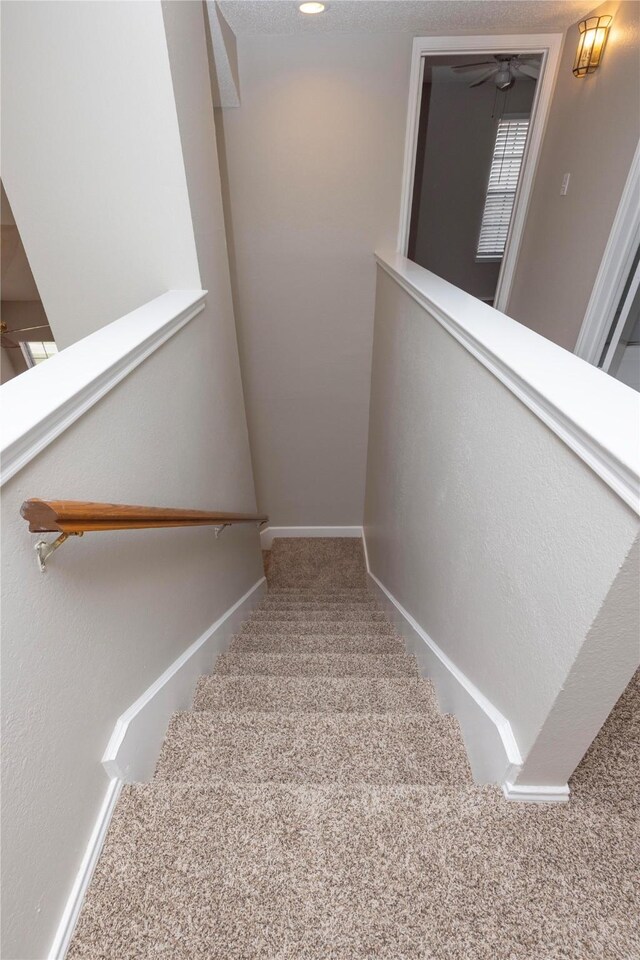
(35, 351)
(506, 162)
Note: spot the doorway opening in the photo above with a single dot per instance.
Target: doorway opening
(621, 353)
(476, 115)
(472, 136)
(26, 339)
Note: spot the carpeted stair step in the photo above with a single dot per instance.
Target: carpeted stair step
(293, 596)
(324, 595)
(328, 562)
(283, 821)
(322, 579)
(259, 642)
(353, 628)
(319, 604)
(231, 872)
(334, 591)
(316, 664)
(313, 748)
(312, 585)
(312, 616)
(316, 695)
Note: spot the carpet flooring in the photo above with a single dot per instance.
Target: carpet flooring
(315, 805)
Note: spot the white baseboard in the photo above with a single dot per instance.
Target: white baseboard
(133, 749)
(267, 535)
(532, 794)
(134, 746)
(491, 746)
(71, 912)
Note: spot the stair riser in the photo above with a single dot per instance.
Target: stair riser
(362, 591)
(316, 665)
(346, 604)
(353, 628)
(311, 616)
(315, 695)
(313, 748)
(316, 643)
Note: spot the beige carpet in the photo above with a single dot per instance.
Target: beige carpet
(315, 805)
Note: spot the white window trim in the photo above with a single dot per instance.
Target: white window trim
(26, 351)
(506, 117)
(549, 46)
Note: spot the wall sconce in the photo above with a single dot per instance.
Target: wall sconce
(593, 37)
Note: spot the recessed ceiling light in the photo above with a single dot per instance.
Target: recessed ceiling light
(311, 7)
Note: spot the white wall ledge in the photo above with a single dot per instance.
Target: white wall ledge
(595, 415)
(41, 403)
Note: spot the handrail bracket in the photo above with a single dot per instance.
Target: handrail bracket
(45, 549)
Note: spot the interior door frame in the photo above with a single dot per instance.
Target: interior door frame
(614, 270)
(549, 45)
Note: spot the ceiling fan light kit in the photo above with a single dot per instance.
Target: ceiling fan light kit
(504, 69)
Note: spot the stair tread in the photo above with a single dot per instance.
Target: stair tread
(311, 828)
(332, 627)
(314, 748)
(318, 604)
(316, 694)
(313, 616)
(256, 642)
(316, 664)
(229, 871)
(278, 591)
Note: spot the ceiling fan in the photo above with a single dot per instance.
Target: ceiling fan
(504, 68)
(5, 334)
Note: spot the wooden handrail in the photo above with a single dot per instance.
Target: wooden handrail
(81, 516)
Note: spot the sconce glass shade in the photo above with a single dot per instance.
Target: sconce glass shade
(593, 37)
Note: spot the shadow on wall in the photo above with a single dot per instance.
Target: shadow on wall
(25, 328)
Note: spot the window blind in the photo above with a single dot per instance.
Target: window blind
(508, 152)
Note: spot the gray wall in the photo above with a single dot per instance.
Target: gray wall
(314, 156)
(83, 642)
(461, 133)
(592, 133)
(495, 537)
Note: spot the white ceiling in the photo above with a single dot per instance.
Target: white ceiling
(417, 17)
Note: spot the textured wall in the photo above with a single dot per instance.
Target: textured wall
(114, 610)
(84, 640)
(499, 541)
(592, 133)
(314, 156)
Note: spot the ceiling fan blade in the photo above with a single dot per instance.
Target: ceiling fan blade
(41, 326)
(484, 77)
(527, 69)
(473, 66)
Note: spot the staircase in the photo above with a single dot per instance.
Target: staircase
(314, 803)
